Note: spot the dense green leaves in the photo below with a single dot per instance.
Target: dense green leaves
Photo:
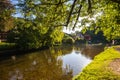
(105, 16)
(29, 35)
(40, 24)
(109, 21)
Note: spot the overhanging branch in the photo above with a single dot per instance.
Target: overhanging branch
(89, 6)
(69, 16)
(77, 16)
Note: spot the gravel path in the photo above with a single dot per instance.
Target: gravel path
(115, 66)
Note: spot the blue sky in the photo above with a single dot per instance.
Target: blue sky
(17, 14)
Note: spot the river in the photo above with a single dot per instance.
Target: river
(58, 63)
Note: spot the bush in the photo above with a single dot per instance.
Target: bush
(69, 40)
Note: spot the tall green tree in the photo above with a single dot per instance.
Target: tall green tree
(104, 16)
(38, 25)
(109, 21)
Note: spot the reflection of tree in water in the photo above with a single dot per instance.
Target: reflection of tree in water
(63, 50)
(92, 50)
(43, 65)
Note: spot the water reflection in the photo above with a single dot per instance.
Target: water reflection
(91, 50)
(60, 63)
(75, 61)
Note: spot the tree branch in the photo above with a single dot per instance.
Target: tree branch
(75, 13)
(69, 16)
(77, 16)
(89, 6)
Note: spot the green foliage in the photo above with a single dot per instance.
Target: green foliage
(56, 36)
(105, 16)
(43, 20)
(98, 69)
(68, 39)
(33, 35)
(109, 21)
(45, 12)
(39, 26)
(29, 39)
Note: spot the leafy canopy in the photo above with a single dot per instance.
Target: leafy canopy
(42, 20)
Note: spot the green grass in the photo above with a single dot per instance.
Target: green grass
(7, 46)
(98, 69)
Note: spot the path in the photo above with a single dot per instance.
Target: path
(115, 64)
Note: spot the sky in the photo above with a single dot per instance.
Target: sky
(16, 14)
(69, 30)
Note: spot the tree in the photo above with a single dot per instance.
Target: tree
(38, 26)
(109, 21)
(107, 18)
(6, 19)
(47, 18)
(68, 10)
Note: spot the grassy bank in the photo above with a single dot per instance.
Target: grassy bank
(99, 68)
(7, 46)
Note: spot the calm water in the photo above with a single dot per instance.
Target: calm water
(61, 63)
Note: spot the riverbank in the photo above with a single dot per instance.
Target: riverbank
(8, 49)
(7, 46)
(105, 66)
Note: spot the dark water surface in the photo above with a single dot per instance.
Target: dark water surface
(60, 63)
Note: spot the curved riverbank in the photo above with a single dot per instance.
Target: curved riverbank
(103, 67)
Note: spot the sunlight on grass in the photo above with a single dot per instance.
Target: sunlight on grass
(98, 69)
